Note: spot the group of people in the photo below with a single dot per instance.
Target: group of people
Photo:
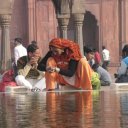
(62, 65)
(122, 73)
(99, 63)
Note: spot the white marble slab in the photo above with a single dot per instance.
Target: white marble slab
(120, 86)
(16, 89)
(113, 86)
(21, 89)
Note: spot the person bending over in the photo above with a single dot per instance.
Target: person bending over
(105, 77)
(65, 65)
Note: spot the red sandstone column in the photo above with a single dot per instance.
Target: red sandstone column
(32, 20)
(123, 10)
(78, 18)
(5, 42)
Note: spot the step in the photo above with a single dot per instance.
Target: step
(120, 86)
(15, 89)
(113, 86)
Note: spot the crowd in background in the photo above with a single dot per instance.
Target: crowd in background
(99, 63)
(63, 65)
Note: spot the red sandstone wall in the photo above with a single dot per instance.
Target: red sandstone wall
(106, 14)
(46, 24)
(126, 21)
(110, 30)
(36, 21)
(94, 9)
(18, 27)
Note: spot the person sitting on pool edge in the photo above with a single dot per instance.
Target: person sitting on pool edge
(28, 74)
(104, 75)
(122, 72)
(65, 65)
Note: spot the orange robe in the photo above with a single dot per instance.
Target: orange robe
(83, 74)
(82, 79)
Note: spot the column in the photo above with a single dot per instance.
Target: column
(78, 19)
(123, 8)
(63, 21)
(32, 28)
(5, 42)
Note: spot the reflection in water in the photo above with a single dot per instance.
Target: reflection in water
(63, 110)
(69, 109)
(124, 109)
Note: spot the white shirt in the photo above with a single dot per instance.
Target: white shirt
(106, 56)
(19, 51)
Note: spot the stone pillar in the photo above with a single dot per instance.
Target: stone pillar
(5, 42)
(63, 21)
(32, 20)
(78, 19)
(123, 11)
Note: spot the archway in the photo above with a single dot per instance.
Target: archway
(90, 31)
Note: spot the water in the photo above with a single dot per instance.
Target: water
(104, 109)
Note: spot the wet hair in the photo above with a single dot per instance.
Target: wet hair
(125, 51)
(32, 47)
(19, 40)
(88, 49)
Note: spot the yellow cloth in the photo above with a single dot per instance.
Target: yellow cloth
(95, 81)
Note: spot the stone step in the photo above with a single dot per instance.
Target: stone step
(67, 87)
(22, 89)
(120, 86)
(113, 86)
(16, 89)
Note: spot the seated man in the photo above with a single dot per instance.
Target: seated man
(105, 77)
(28, 74)
(65, 65)
(122, 73)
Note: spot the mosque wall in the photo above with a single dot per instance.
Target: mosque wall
(36, 20)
